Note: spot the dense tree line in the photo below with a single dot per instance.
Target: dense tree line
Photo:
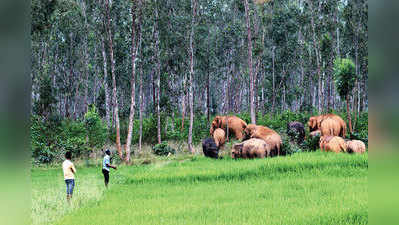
(194, 57)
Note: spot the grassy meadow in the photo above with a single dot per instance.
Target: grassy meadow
(304, 188)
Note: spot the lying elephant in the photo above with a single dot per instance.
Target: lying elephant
(249, 149)
(356, 146)
(210, 148)
(332, 144)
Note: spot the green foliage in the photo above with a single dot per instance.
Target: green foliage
(344, 75)
(44, 105)
(163, 149)
(97, 131)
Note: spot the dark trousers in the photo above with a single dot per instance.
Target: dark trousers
(106, 176)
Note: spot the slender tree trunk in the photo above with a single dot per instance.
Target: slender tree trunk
(115, 97)
(105, 83)
(348, 113)
(274, 83)
(319, 105)
(191, 75)
(141, 107)
(251, 75)
(157, 53)
(86, 58)
(134, 50)
(183, 102)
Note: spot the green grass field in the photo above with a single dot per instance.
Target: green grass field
(305, 188)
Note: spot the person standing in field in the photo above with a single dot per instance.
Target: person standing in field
(106, 166)
(69, 175)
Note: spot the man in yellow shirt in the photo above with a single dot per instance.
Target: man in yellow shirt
(69, 174)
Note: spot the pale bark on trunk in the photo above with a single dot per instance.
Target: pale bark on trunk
(274, 83)
(191, 75)
(86, 58)
(115, 98)
(134, 50)
(105, 83)
(319, 105)
(141, 108)
(251, 75)
(158, 86)
(348, 113)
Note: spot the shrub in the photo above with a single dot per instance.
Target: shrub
(163, 149)
(96, 130)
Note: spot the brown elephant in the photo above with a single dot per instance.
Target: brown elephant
(219, 137)
(356, 146)
(314, 123)
(235, 124)
(330, 127)
(332, 144)
(270, 136)
(249, 149)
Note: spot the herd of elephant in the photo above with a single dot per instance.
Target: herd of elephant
(260, 141)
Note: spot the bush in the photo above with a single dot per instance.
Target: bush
(96, 130)
(163, 149)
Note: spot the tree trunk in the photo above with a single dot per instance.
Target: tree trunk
(141, 107)
(86, 58)
(251, 75)
(115, 98)
(134, 50)
(191, 75)
(157, 53)
(274, 83)
(105, 83)
(183, 102)
(348, 113)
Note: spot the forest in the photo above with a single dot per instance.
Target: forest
(124, 73)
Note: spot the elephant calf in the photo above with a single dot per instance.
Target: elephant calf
(210, 148)
(249, 149)
(356, 146)
(219, 137)
(332, 144)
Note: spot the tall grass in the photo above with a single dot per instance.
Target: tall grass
(304, 188)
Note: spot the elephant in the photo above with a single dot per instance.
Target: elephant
(314, 123)
(270, 136)
(332, 144)
(249, 149)
(219, 137)
(356, 146)
(330, 127)
(235, 124)
(296, 131)
(210, 148)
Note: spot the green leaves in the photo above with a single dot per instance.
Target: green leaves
(344, 76)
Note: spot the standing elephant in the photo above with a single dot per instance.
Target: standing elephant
(296, 131)
(270, 136)
(315, 123)
(235, 124)
(249, 149)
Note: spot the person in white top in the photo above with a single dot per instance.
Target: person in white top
(69, 174)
